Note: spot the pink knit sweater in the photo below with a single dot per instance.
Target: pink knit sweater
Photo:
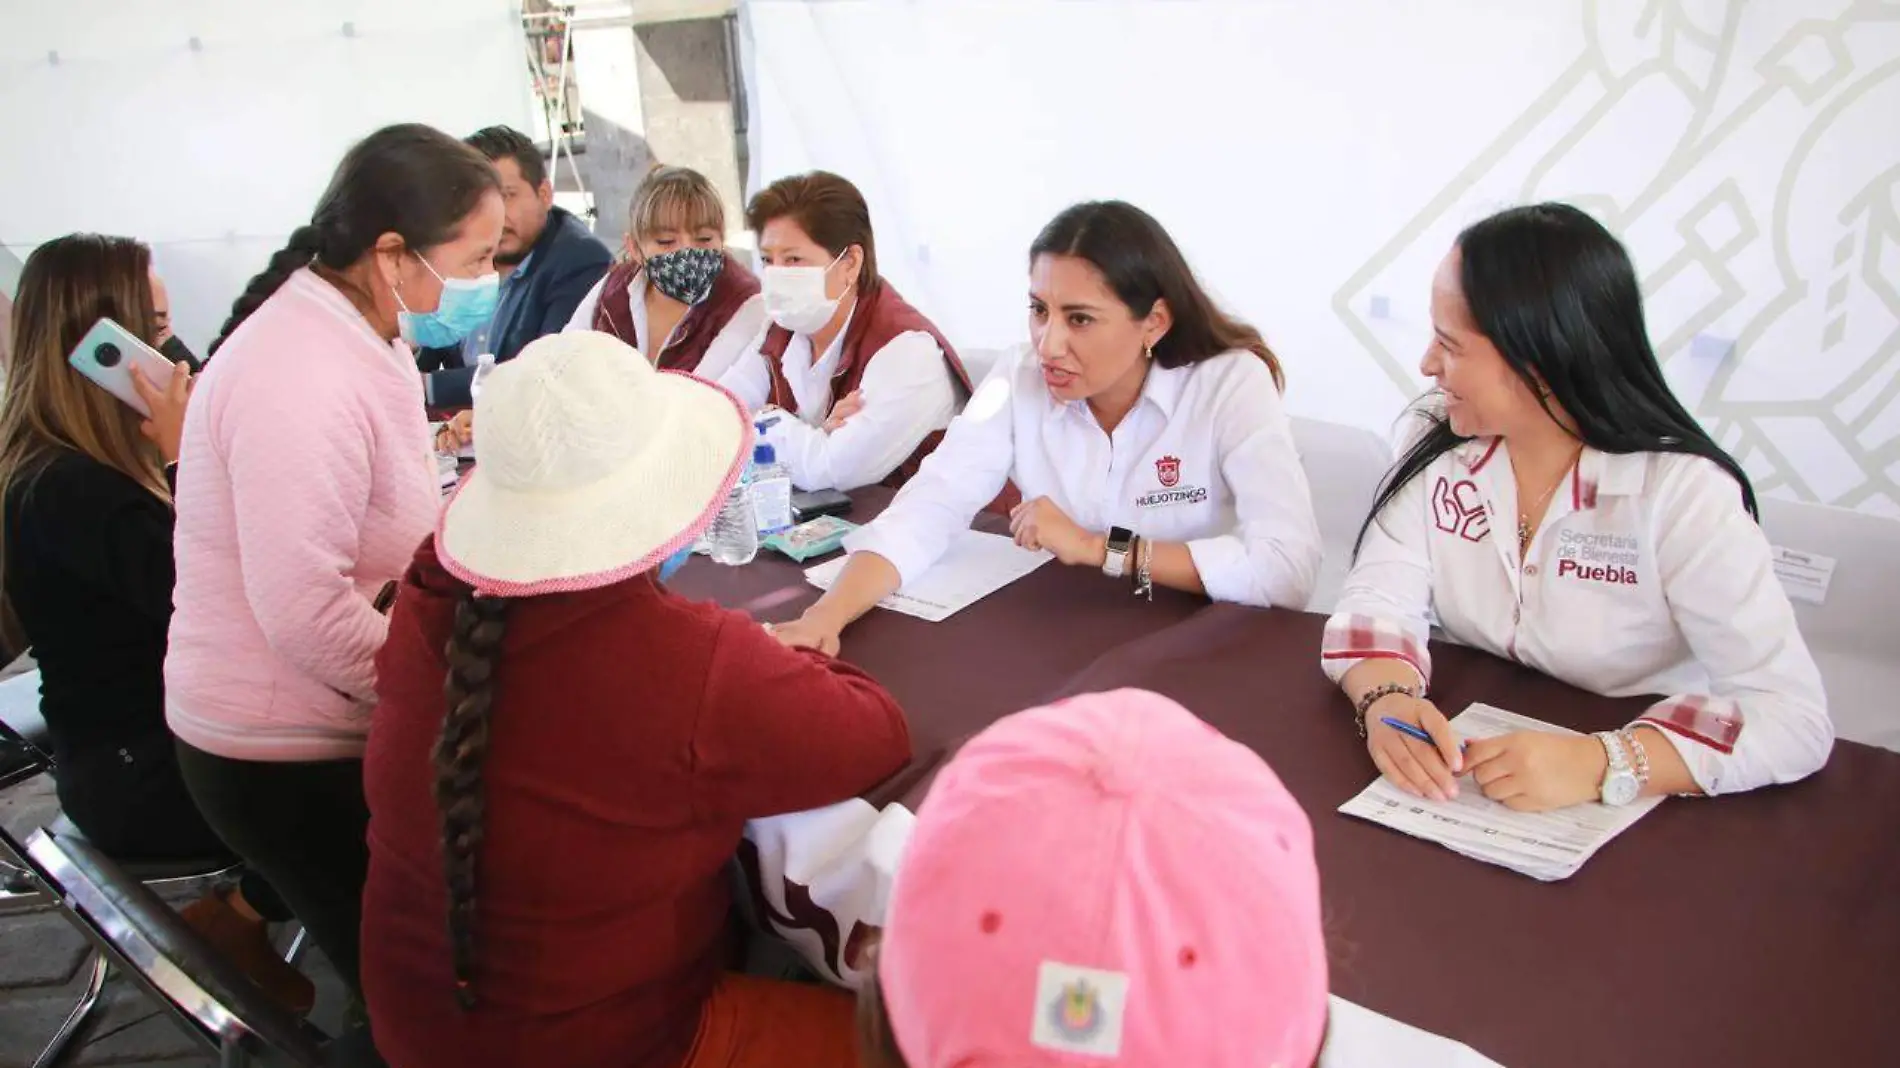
(306, 483)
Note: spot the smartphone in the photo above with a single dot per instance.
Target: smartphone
(811, 504)
(107, 355)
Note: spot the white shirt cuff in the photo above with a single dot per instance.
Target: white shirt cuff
(1703, 762)
(1226, 573)
(904, 554)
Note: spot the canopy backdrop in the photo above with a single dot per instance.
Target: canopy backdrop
(208, 128)
(1316, 161)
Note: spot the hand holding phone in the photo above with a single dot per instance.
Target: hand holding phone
(166, 427)
(107, 354)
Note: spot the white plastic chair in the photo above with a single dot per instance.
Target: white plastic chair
(977, 363)
(1853, 635)
(1344, 465)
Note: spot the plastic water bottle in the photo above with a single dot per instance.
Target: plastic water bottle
(484, 366)
(733, 538)
(771, 490)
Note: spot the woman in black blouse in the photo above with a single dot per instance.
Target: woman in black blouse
(86, 555)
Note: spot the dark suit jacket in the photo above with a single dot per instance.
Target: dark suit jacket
(538, 299)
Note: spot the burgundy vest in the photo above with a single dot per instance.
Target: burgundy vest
(735, 285)
(877, 320)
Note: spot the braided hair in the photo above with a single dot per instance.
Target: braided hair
(410, 180)
(460, 752)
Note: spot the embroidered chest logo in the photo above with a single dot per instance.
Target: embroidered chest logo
(1168, 471)
(1168, 474)
(1611, 559)
(1458, 508)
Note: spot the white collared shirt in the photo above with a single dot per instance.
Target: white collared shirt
(724, 350)
(1205, 457)
(908, 394)
(1647, 576)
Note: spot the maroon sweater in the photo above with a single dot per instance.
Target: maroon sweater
(633, 733)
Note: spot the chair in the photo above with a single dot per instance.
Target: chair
(1344, 465)
(977, 363)
(1852, 635)
(27, 881)
(20, 760)
(132, 928)
(20, 708)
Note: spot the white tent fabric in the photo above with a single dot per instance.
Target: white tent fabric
(208, 128)
(1315, 161)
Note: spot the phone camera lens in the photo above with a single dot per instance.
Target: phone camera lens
(107, 355)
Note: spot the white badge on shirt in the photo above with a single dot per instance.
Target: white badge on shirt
(1172, 488)
(1079, 1010)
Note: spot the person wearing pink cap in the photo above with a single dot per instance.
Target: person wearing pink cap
(565, 752)
(1060, 896)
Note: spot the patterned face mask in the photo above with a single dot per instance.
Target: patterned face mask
(686, 274)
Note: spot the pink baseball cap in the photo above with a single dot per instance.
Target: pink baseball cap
(1110, 879)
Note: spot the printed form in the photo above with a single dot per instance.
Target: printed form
(975, 566)
(1543, 845)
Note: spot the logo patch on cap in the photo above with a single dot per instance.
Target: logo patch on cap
(1079, 1010)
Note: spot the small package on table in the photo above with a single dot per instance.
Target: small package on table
(810, 539)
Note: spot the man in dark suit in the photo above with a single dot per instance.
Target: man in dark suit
(548, 258)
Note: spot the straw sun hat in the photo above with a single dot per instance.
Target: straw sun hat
(590, 468)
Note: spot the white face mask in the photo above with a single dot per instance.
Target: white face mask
(795, 297)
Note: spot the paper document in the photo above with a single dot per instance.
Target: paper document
(1546, 845)
(1357, 1037)
(975, 566)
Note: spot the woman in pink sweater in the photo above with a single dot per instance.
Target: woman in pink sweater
(305, 483)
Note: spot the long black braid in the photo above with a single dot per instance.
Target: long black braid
(460, 752)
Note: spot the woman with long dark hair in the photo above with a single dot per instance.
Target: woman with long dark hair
(307, 482)
(1143, 426)
(1557, 505)
(566, 752)
(86, 551)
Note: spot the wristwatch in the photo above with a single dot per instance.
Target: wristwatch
(1115, 562)
(1620, 784)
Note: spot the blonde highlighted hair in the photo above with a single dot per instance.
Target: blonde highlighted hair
(675, 198)
(69, 284)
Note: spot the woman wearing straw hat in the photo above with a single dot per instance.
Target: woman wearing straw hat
(550, 830)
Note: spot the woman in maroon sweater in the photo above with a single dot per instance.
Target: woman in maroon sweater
(550, 837)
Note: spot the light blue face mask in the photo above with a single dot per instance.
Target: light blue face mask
(672, 564)
(466, 306)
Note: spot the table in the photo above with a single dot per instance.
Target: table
(1761, 929)
(1015, 648)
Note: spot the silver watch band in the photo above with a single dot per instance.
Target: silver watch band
(1613, 745)
(1115, 558)
(1620, 785)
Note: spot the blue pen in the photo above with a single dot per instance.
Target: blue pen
(1412, 731)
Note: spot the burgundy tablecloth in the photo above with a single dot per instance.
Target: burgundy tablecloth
(1761, 929)
(1011, 648)
(1755, 930)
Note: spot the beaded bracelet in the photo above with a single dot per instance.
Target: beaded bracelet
(1639, 757)
(1374, 696)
